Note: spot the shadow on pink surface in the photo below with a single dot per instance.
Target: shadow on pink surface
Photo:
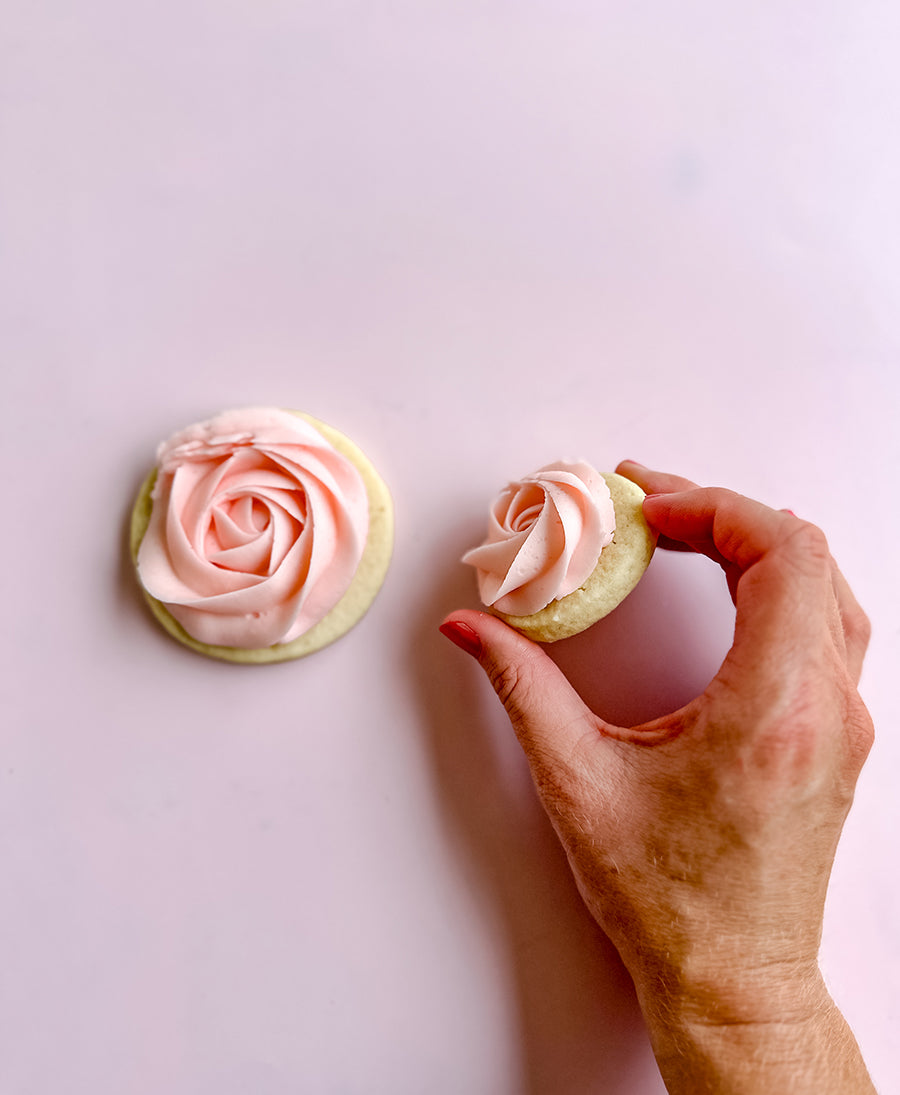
(580, 1027)
(659, 649)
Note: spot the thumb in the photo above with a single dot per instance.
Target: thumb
(547, 714)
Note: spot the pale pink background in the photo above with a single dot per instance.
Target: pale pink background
(475, 236)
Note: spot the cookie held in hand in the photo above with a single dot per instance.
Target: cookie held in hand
(261, 535)
(563, 548)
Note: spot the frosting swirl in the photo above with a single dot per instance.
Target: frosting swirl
(545, 534)
(257, 528)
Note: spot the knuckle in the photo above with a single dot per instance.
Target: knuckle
(859, 625)
(810, 541)
(510, 684)
(862, 727)
(805, 550)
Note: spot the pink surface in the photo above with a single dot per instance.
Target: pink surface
(474, 237)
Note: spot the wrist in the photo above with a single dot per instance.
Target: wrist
(789, 993)
(768, 1030)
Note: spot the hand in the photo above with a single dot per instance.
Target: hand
(702, 841)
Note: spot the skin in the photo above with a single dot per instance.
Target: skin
(702, 842)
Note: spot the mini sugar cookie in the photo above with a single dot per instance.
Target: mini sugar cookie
(261, 535)
(564, 547)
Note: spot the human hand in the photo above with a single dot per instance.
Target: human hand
(702, 841)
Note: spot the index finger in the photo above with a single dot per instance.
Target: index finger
(657, 482)
(720, 523)
(778, 567)
(653, 482)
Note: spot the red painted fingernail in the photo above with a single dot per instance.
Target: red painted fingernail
(465, 637)
(636, 463)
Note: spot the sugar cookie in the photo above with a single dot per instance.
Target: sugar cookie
(564, 547)
(261, 535)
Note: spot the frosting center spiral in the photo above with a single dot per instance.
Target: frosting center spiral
(257, 528)
(544, 538)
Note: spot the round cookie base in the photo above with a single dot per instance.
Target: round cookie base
(619, 569)
(354, 604)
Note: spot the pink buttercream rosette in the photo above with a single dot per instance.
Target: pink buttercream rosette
(257, 528)
(545, 534)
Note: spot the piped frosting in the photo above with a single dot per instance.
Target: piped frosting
(257, 528)
(544, 538)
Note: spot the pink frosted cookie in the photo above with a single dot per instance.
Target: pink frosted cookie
(261, 535)
(563, 547)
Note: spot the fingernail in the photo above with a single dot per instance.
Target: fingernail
(636, 463)
(465, 637)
